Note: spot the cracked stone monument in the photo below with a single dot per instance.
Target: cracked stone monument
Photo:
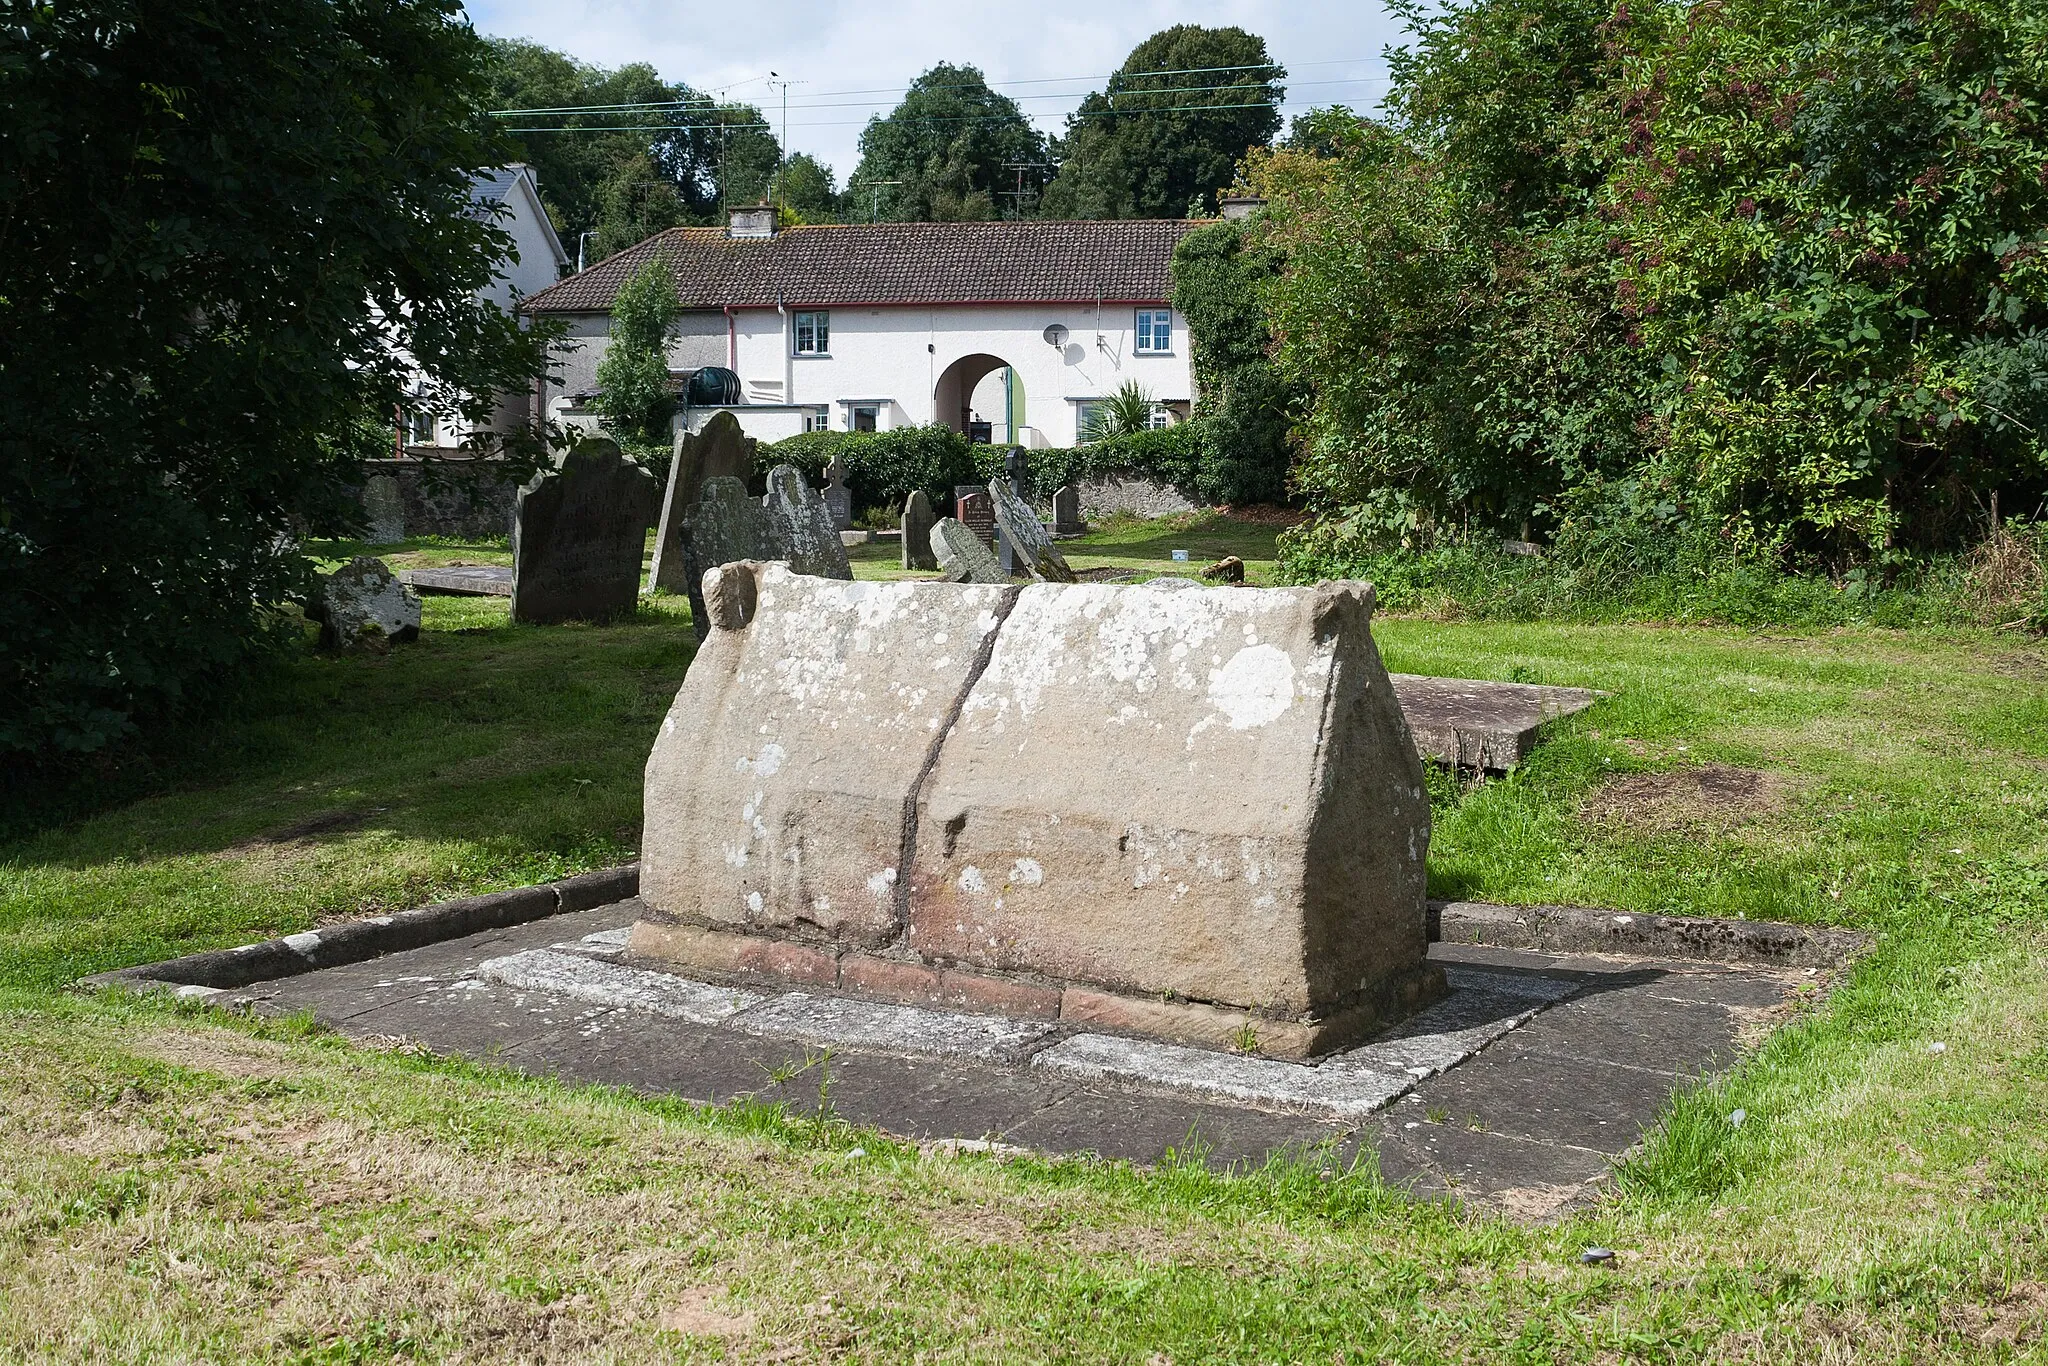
(801, 528)
(917, 532)
(1187, 813)
(1026, 536)
(962, 556)
(721, 450)
(577, 536)
(364, 607)
(837, 497)
(790, 524)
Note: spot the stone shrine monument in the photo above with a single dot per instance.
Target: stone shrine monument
(363, 607)
(721, 450)
(838, 498)
(961, 556)
(577, 536)
(1066, 512)
(917, 532)
(1175, 811)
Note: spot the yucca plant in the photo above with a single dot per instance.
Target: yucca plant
(1127, 410)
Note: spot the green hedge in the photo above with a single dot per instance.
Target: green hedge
(883, 467)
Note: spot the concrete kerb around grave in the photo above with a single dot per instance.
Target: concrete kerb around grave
(889, 785)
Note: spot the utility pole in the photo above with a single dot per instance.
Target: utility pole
(775, 182)
(1020, 167)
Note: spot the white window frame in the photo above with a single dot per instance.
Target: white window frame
(854, 410)
(1162, 416)
(819, 321)
(1149, 324)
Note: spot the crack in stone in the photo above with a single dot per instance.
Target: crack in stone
(908, 852)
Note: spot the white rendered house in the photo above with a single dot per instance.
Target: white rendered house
(509, 198)
(1007, 331)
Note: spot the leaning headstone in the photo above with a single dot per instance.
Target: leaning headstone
(801, 529)
(720, 450)
(384, 508)
(363, 607)
(577, 536)
(838, 498)
(962, 556)
(1192, 813)
(1066, 512)
(972, 507)
(917, 532)
(1027, 538)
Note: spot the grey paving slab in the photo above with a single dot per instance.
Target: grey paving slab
(597, 982)
(693, 1062)
(1637, 1028)
(1483, 725)
(476, 1019)
(1351, 1091)
(480, 580)
(1527, 1093)
(1136, 1128)
(936, 1100)
(846, 1022)
(1446, 1159)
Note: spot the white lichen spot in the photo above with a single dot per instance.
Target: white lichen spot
(1027, 872)
(971, 880)
(735, 856)
(881, 882)
(754, 902)
(821, 904)
(1254, 688)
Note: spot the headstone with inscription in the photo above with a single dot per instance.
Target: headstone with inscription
(720, 450)
(1026, 536)
(577, 536)
(962, 556)
(1066, 512)
(973, 509)
(917, 532)
(838, 498)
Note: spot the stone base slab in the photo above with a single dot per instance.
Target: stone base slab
(786, 963)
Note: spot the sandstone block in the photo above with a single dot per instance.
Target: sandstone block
(744, 955)
(916, 984)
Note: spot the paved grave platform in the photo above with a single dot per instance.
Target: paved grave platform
(464, 580)
(1519, 1088)
(1482, 725)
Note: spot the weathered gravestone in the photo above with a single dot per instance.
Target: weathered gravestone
(837, 497)
(962, 556)
(801, 527)
(1066, 512)
(383, 510)
(1027, 537)
(917, 532)
(577, 536)
(363, 606)
(973, 509)
(721, 450)
(1192, 813)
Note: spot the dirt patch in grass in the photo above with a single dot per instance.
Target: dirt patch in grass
(698, 1315)
(1717, 796)
(223, 1054)
(326, 823)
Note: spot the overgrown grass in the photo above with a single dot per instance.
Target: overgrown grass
(175, 1185)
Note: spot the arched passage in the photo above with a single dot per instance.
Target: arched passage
(953, 396)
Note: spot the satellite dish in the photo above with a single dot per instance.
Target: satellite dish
(1056, 336)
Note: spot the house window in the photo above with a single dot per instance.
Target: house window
(1085, 416)
(813, 334)
(1161, 417)
(816, 422)
(862, 417)
(1155, 331)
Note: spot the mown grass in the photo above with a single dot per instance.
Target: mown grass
(176, 1185)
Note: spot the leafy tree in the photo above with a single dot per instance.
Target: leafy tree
(1240, 397)
(948, 142)
(632, 376)
(1166, 135)
(634, 171)
(227, 226)
(804, 188)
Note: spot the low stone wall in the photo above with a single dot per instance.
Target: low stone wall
(469, 500)
(1133, 494)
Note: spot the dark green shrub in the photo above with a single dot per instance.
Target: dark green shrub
(883, 467)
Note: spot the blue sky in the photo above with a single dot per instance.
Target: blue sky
(848, 61)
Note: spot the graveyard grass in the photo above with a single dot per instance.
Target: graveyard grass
(176, 1184)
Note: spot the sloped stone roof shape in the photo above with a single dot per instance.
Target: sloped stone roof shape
(1122, 261)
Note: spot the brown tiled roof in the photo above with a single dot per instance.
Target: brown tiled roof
(1125, 260)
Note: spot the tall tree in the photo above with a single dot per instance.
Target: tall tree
(644, 154)
(1166, 135)
(804, 188)
(184, 353)
(953, 144)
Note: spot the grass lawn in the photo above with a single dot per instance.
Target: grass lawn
(180, 1185)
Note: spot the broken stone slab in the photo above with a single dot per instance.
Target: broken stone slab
(1027, 536)
(961, 556)
(1484, 726)
(468, 580)
(721, 450)
(1190, 792)
(727, 525)
(776, 789)
(1185, 812)
(578, 533)
(800, 527)
(917, 532)
(364, 607)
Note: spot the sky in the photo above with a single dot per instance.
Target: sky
(848, 61)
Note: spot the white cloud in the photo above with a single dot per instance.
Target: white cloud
(840, 47)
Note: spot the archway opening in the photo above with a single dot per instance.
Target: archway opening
(980, 396)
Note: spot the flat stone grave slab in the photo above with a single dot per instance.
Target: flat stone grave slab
(464, 580)
(1482, 725)
(1518, 1089)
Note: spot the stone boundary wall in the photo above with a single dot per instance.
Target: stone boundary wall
(470, 500)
